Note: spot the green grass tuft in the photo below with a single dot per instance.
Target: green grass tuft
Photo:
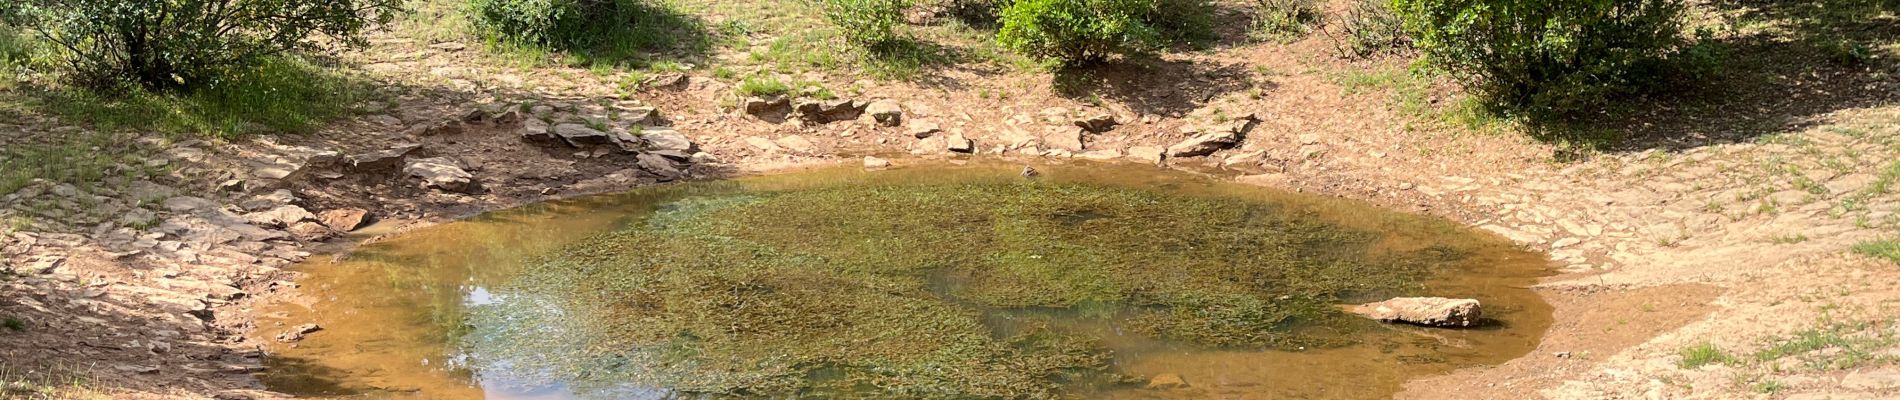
(1888, 249)
(1704, 354)
(760, 85)
(286, 95)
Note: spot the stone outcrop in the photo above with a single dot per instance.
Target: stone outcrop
(1209, 140)
(382, 161)
(1064, 138)
(1097, 123)
(663, 139)
(824, 111)
(1428, 311)
(442, 173)
(537, 132)
(886, 112)
(582, 136)
(960, 144)
(772, 109)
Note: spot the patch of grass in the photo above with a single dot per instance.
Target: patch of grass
(286, 94)
(723, 73)
(800, 52)
(13, 324)
(1888, 249)
(1703, 354)
(632, 83)
(79, 160)
(1768, 386)
(763, 85)
(21, 382)
(1791, 239)
(1831, 345)
(17, 224)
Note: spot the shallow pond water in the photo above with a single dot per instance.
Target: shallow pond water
(942, 281)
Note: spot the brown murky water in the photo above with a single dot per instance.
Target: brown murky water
(395, 313)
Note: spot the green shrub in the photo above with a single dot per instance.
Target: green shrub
(1541, 57)
(18, 54)
(1078, 31)
(187, 44)
(1285, 19)
(611, 30)
(869, 23)
(1370, 28)
(1188, 22)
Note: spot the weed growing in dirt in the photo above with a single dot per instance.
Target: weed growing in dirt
(1831, 345)
(81, 160)
(1791, 239)
(1888, 249)
(13, 324)
(1768, 386)
(1703, 354)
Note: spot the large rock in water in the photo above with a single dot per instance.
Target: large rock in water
(1428, 311)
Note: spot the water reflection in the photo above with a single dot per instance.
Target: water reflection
(404, 302)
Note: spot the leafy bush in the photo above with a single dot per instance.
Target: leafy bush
(1077, 31)
(607, 29)
(1184, 21)
(1285, 19)
(555, 23)
(1546, 57)
(187, 44)
(18, 55)
(869, 23)
(1370, 28)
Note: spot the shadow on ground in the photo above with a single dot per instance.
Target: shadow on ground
(1788, 65)
(1153, 86)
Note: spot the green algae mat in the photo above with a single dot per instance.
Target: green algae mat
(940, 281)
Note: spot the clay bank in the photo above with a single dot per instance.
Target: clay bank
(930, 279)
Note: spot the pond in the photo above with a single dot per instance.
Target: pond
(951, 280)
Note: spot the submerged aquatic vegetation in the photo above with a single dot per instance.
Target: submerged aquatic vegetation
(887, 287)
